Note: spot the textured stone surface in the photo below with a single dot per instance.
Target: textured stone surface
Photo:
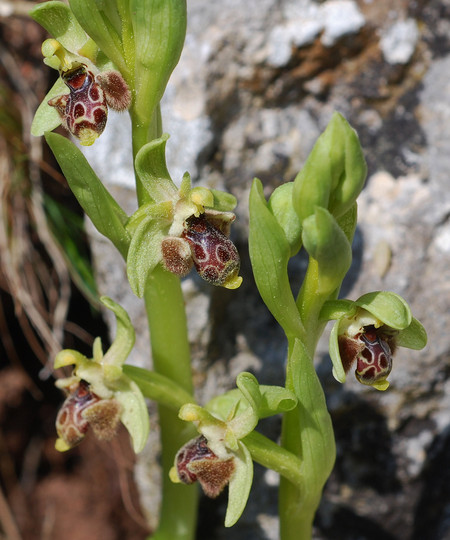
(257, 83)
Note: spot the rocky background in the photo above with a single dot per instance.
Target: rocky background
(257, 83)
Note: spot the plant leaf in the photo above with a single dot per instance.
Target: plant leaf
(269, 254)
(104, 212)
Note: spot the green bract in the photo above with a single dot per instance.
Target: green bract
(106, 379)
(325, 242)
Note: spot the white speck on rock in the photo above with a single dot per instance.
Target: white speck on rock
(340, 18)
(399, 42)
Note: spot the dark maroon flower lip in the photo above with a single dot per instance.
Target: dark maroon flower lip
(195, 461)
(215, 257)
(372, 350)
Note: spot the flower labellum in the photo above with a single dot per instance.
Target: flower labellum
(83, 409)
(84, 110)
(216, 258)
(196, 461)
(372, 350)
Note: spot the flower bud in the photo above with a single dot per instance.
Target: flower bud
(215, 256)
(196, 461)
(84, 110)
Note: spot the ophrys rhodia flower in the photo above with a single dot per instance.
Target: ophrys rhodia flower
(366, 334)
(180, 227)
(99, 393)
(88, 82)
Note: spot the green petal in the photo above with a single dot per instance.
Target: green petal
(338, 368)
(144, 253)
(60, 22)
(223, 202)
(240, 485)
(124, 338)
(134, 413)
(412, 337)
(47, 118)
(390, 308)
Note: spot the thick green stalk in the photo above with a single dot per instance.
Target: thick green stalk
(171, 357)
(307, 431)
(166, 314)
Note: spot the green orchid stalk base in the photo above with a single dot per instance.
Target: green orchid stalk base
(119, 55)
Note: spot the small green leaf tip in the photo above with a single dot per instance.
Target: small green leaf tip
(334, 173)
(101, 391)
(367, 332)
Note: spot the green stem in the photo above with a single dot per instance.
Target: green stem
(166, 315)
(171, 357)
(307, 433)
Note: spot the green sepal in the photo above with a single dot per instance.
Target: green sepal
(338, 368)
(269, 254)
(144, 253)
(240, 485)
(334, 172)
(223, 201)
(274, 400)
(124, 336)
(159, 28)
(102, 30)
(336, 309)
(47, 118)
(412, 337)
(60, 22)
(152, 170)
(103, 210)
(281, 206)
(390, 308)
(325, 242)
